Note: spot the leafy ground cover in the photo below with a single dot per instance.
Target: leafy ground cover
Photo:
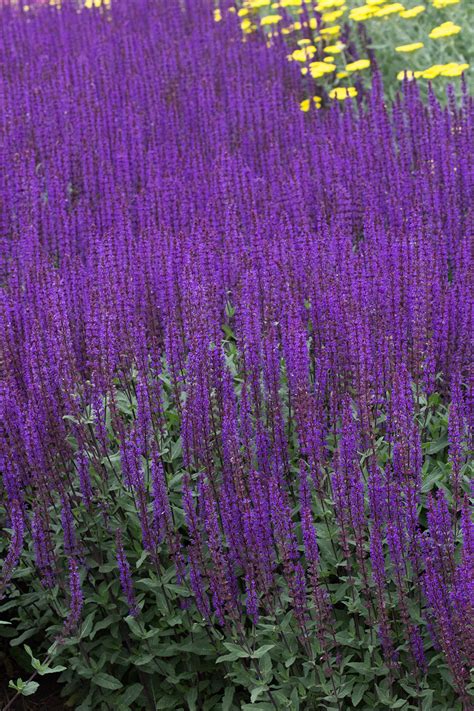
(236, 395)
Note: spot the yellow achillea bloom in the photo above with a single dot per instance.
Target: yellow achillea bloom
(324, 5)
(360, 14)
(305, 105)
(329, 17)
(270, 20)
(328, 31)
(453, 69)
(329, 60)
(302, 55)
(433, 72)
(409, 47)
(447, 29)
(440, 4)
(303, 42)
(389, 9)
(408, 74)
(342, 75)
(257, 4)
(318, 69)
(343, 92)
(358, 65)
(291, 3)
(246, 26)
(334, 48)
(412, 12)
(243, 11)
(217, 15)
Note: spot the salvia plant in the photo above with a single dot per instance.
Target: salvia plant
(236, 392)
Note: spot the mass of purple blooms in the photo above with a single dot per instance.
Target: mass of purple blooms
(187, 260)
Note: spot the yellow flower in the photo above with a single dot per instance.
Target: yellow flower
(375, 2)
(302, 55)
(454, 70)
(334, 48)
(328, 17)
(358, 65)
(440, 4)
(243, 11)
(318, 69)
(291, 3)
(328, 4)
(343, 92)
(270, 20)
(409, 47)
(342, 75)
(389, 9)
(217, 15)
(408, 74)
(328, 31)
(360, 14)
(447, 29)
(257, 4)
(412, 12)
(329, 60)
(247, 26)
(433, 72)
(305, 105)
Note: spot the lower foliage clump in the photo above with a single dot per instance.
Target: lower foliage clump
(233, 588)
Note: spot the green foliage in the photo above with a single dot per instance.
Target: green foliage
(170, 658)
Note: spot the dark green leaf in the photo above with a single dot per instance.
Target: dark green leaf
(107, 681)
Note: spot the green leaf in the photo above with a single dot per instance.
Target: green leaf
(257, 692)
(383, 696)
(262, 650)
(29, 688)
(142, 659)
(25, 688)
(191, 698)
(236, 650)
(107, 681)
(19, 640)
(130, 695)
(51, 670)
(435, 447)
(228, 698)
(358, 693)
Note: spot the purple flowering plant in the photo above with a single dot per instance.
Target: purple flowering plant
(236, 374)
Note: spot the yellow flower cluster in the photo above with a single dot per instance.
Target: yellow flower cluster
(317, 54)
(441, 4)
(366, 12)
(453, 69)
(409, 47)
(305, 105)
(447, 29)
(412, 12)
(343, 92)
